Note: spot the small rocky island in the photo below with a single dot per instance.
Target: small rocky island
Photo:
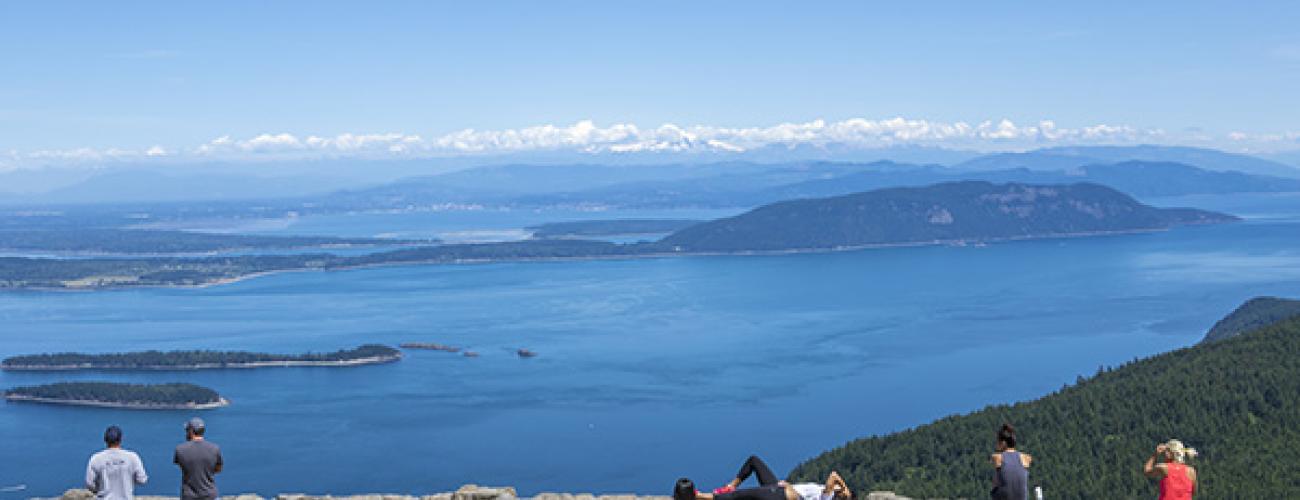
(198, 360)
(116, 395)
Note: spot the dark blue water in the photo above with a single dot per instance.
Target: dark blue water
(648, 369)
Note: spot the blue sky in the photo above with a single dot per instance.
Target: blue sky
(105, 75)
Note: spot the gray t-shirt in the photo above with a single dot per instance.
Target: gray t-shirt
(199, 460)
(113, 473)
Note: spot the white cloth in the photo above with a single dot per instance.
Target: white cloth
(113, 473)
(811, 491)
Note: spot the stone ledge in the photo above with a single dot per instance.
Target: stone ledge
(467, 492)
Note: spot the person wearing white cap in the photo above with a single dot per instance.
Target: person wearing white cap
(199, 461)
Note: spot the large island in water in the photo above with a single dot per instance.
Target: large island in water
(955, 212)
(198, 360)
(116, 395)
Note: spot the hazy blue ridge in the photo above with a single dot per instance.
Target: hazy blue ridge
(1064, 158)
(1256, 312)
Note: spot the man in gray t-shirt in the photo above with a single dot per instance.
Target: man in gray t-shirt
(113, 473)
(199, 461)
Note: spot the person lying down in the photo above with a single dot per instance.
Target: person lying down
(769, 487)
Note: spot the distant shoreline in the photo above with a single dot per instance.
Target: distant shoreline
(221, 402)
(655, 255)
(209, 366)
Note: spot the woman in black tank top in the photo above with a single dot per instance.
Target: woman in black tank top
(1011, 476)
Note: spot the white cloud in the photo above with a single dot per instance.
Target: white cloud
(620, 138)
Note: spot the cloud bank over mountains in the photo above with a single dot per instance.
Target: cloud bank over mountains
(586, 137)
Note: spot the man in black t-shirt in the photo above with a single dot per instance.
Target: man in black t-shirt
(199, 461)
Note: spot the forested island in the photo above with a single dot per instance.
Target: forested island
(968, 211)
(1236, 400)
(141, 241)
(197, 360)
(952, 213)
(116, 395)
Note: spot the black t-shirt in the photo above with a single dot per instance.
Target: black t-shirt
(199, 461)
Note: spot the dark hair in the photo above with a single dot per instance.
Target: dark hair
(684, 489)
(1007, 435)
(113, 435)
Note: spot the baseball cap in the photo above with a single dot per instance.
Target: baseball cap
(195, 423)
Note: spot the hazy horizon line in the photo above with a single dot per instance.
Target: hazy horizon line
(586, 138)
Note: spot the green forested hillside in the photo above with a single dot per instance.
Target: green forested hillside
(1237, 401)
(1256, 312)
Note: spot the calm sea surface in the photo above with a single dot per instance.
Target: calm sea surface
(648, 369)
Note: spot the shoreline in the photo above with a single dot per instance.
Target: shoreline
(961, 242)
(221, 402)
(372, 360)
(220, 252)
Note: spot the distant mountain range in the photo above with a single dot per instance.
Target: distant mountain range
(949, 212)
(652, 181)
(1291, 158)
(1065, 158)
(747, 185)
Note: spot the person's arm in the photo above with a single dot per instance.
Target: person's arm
(829, 488)
(92, 479)
(141, 477)
(996, 459)
(1152, 469)
(217, 468)
(836, 485)
(1026, 460)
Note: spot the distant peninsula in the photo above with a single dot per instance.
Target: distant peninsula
(91, 241)
(197, 360)
(116, 395)
(949, 213)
